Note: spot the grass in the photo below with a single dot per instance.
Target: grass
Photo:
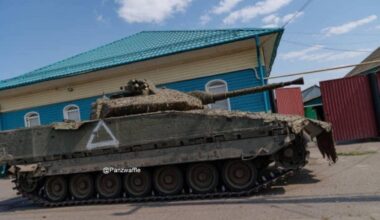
(356, 153)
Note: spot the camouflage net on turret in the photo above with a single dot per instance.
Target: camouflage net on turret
(164, 99)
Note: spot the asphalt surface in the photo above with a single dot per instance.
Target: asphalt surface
(349, 189)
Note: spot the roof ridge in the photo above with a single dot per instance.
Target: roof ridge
(112, 57)
(146, 46)
(71, 57)
(30, 73)
(374, 54)
(217, 29)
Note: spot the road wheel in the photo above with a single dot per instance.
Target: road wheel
(202, 177)
(56, 188)
(239, 175)
(108, 185)
(138, 184)
(81, 186)
(168, 180)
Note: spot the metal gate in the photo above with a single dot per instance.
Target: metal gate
(348, 105)
(289, 101)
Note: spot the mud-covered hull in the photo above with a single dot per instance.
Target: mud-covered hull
(157, 139)
(179, 154)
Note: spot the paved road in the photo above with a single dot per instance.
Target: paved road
(349, 189)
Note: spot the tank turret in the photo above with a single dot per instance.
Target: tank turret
(141, 96)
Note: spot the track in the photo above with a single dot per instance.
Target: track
(264, 181)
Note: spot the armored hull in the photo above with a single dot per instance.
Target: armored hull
(168, 140)
(161, 154)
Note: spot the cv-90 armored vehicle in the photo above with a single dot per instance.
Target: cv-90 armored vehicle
(146, 144)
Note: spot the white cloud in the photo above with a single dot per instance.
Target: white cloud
(377, 27)
(260, 8)
(347, 27)
(100, 18)
(271, 20)
(314, 53)
(205, 19)
(343, 55)
(276, 21)
(300, 53)
(294, 16)
(150, 11)
(225, 6)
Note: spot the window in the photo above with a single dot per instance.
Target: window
(218, 86)
(71, 113)
(32, 119)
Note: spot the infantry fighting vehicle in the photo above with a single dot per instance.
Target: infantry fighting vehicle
(183, 149)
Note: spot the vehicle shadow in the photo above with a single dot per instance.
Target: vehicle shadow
(348, 198)
(16, 204)
(303, 176)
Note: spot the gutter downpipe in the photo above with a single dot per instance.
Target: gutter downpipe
(261, 72)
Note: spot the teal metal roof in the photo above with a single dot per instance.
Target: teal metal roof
(138, 47)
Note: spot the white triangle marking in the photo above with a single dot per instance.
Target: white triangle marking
(108, 143)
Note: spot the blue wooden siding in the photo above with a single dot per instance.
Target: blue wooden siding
(235, 80)
(48, 113)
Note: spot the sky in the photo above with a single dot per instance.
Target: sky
(325, 33)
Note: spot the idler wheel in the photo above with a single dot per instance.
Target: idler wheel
(28, 185)
(239, 175)
(138, 184)
(202, 177)
(81, 186)
(108, 185)
(56, 188)
(168, 180)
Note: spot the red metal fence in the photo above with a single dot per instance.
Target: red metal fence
(347, 104)
(289, 101)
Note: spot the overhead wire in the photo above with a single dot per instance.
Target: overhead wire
(345, 43)
(322, 34)
(324, 47)
(324, 69)
(303, 7)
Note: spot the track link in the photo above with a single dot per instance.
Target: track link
(264, 181)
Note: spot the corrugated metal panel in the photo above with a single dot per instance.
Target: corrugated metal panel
(138, 47)
(289, 101)
(347, 104)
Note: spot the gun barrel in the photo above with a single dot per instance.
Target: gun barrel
(208, 98)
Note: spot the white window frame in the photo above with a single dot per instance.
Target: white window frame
(66, 111)
(27, 116)
(207, 86)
